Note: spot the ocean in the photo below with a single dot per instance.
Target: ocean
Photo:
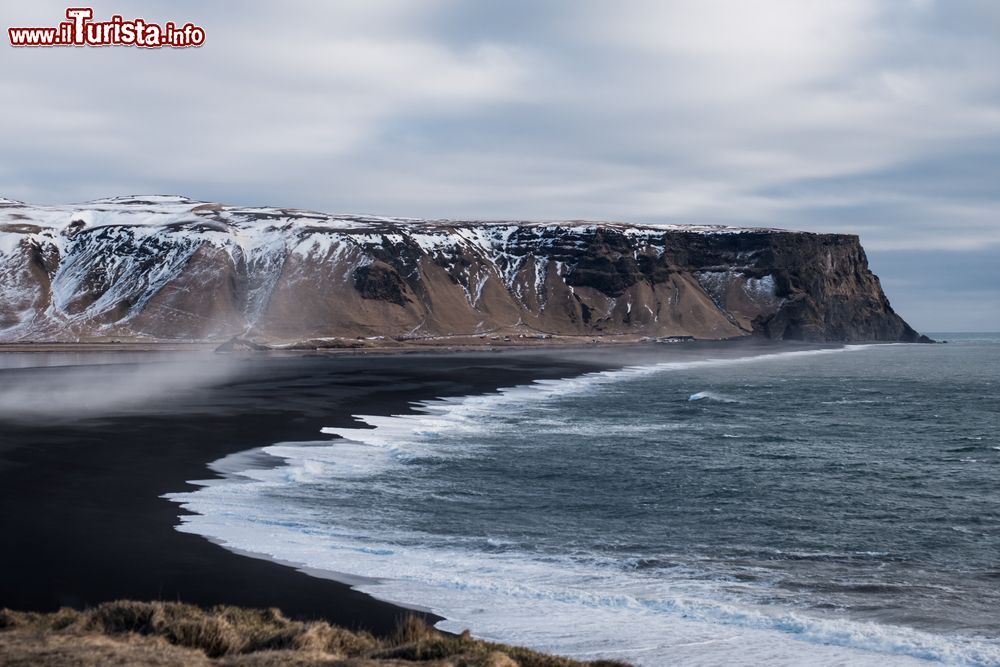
(819, 506)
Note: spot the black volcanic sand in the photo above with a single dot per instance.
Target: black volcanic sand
(82, 519)
(90, 441)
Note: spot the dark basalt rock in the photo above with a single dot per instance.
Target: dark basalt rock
(381, 282)
(609, 276)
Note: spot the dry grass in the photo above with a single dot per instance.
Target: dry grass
(169, 633)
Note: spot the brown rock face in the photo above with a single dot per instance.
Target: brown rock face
(801, 287)
(172, 268)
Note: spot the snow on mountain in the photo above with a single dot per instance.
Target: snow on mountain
(170, 267)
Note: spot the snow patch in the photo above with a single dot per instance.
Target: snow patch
(761, 289)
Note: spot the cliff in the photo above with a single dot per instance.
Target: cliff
(171, 268)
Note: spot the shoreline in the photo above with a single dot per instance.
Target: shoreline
(452, 609)
(99, 521)
(434, 345)
(87, 522)
(369, 385)
(610, 348)
(652, 353)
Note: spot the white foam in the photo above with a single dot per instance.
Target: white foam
(711, 396)
(559, 604)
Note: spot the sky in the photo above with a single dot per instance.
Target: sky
(872, 117)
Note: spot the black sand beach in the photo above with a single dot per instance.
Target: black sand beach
(83, 521)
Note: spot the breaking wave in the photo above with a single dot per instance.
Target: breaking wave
(711, 396)
(578, 603)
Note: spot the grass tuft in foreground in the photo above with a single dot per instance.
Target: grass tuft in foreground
(165, 634)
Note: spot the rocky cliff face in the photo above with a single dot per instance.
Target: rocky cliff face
(173, 268)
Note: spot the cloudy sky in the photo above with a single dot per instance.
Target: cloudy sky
(880, 118)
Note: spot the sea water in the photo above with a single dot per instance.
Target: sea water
(820, 507)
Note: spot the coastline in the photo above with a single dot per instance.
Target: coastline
(461, 605)
(86, 522)
(380, 345)
(86, 494)
(627, 360)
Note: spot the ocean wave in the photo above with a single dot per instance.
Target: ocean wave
(511, 595)
(972, 448)
(711, 396)
(499, 590)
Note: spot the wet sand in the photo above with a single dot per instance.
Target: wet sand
(83, 521)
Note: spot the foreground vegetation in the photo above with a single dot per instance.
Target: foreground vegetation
(169, 633)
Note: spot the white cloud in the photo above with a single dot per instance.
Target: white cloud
(709, 111)
(272, 92)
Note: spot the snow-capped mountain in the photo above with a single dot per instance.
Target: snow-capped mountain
(168, 267)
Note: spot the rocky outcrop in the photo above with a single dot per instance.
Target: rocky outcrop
(172, 268)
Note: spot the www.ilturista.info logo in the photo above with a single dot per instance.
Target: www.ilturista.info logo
(81, 30)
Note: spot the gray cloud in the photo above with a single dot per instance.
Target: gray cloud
(876, 118)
